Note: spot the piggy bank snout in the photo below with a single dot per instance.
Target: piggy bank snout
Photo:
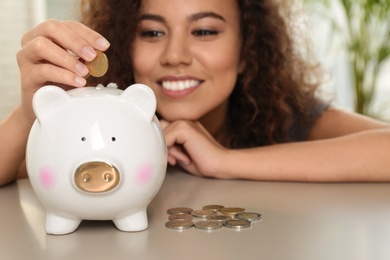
(96, 177)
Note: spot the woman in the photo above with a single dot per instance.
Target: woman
(235, 98)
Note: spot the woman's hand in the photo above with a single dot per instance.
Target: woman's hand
(193, 148)
(51, 53)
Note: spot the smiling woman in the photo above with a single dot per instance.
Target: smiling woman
(188, 48)
(195, 58)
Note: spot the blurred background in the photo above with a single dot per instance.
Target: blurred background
(17, 17)
(349, 37)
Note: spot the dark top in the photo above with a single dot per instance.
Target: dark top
(299, 133)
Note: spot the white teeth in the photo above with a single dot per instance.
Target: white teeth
(179, 85)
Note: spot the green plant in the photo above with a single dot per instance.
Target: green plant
(364, 28)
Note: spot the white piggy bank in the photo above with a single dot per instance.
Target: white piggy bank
(96, 154)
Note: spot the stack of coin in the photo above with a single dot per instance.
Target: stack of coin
(210, 217)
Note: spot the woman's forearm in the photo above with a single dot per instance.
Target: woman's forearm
(363, 156)
(14, 132)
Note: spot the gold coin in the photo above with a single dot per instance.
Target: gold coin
(251, 216)
(181, 216)
(179, 210)
(232, 211)
(179, 224)
(214, 207)
(208, 225)
(237, 223)
(99, 66)
(202, 213)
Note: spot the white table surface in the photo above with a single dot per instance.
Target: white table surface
(300, 221)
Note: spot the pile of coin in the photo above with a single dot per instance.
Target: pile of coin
(210, 217)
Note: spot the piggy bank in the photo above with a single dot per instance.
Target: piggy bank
(96, 153)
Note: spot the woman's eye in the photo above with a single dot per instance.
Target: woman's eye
(152, 34)
(203, 33)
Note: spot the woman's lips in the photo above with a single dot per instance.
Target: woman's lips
(178, 88)
(180, 84)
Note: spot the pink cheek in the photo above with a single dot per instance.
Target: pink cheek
(46, 178)
(144, 173)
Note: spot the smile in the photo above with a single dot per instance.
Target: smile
(180, 85)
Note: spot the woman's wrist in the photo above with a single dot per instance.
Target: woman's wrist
(229, 165)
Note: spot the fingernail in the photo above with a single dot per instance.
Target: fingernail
(81, 69)
(102, 43)
(88, 53)
(80, 81)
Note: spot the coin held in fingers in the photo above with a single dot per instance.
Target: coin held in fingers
(99, 66)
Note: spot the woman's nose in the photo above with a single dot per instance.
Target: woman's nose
(176, 52)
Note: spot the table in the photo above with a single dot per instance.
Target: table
(300, 221)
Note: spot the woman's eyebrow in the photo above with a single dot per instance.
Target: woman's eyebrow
(191, 18)
(153, 17)
(201, 15)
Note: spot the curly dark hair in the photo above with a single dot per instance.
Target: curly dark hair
(274, 94)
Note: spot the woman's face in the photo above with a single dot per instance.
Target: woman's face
(188, 52)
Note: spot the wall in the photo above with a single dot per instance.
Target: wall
(329, 49)
(16, 17)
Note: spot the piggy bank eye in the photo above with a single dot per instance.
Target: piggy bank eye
(83, 139)
(113, 139)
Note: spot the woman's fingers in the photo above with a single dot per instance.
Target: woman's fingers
(69, 35)
(42, 50)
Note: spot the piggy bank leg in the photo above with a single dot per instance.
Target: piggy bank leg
(58, 225)
(132, 222)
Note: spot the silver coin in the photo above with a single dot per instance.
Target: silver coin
(208, 225)
(181, 216)
(213, 207)
(202, 213)
(220, 218)
(251, 216)
(179, 210)
(179, 224)
(237, 223)
(232, 211)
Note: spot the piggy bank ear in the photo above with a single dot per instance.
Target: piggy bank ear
(46, 98)
(143, 97)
